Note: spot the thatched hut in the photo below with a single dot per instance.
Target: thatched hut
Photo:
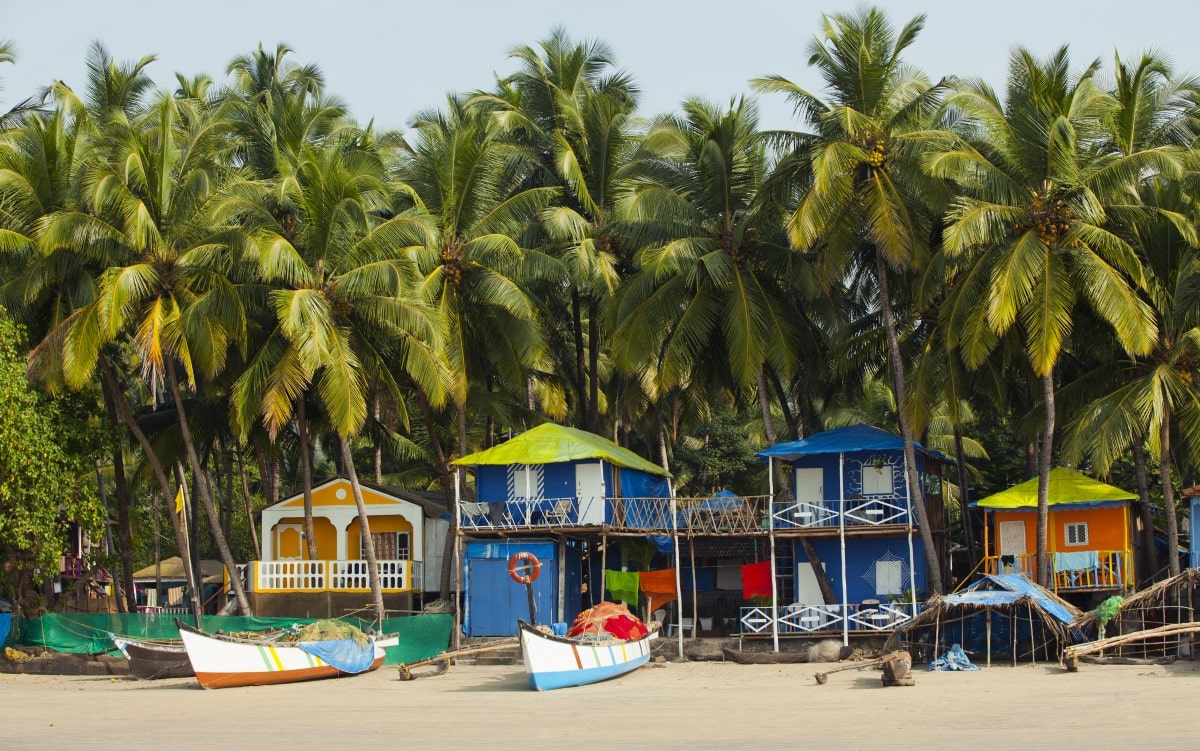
(1000, 614)
(1170, 601)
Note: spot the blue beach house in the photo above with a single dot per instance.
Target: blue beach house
(851, 511)
(552, 491)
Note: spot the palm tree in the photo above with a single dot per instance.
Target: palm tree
(866, 204)
(573, 118)
(43, 164)
(470, 210)
(17, 113)
(715, 275)
(343, 302)
(277, 108)
(1038, 222)
(153, 202)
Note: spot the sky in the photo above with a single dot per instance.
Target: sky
(389, 60)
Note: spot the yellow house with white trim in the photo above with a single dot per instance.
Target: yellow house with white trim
(397, 525)
(287, 582)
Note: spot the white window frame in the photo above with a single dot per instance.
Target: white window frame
(882, 480)
(895, 570)
(1073, 529)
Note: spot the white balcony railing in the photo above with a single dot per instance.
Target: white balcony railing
(813, 619)
(872, 511)
(736, 514)
(330, 576)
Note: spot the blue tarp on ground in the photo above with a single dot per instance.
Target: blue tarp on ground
(347, 655)
(1005, 589)
(844, 440)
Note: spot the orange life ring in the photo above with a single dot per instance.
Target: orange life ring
(530, 572)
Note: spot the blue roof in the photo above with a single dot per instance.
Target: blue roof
(843, 440)
(1005, 589)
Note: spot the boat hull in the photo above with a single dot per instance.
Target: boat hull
(763, 658)
(227, 663)
(151, 660)
(555, 662)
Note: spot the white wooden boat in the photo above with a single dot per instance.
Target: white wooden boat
(225, 661)
(151, 659)
(558, 662)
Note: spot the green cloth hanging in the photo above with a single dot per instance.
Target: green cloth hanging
(623, 585)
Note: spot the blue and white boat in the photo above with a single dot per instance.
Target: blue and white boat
(558, 662)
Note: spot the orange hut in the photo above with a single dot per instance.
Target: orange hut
(1090, 532)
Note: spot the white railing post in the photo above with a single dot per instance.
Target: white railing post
(842, 539)
(771, 533)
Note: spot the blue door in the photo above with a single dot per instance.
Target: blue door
(497, 601)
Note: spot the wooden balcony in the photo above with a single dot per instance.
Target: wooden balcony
(719, 516)
(1076, 571)
(738, 515)
(331, 576)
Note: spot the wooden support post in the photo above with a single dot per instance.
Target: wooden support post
(1012, 624)
(937, 629)
(603, 563)
(1032, 641)
(562, 582)
(989, 637)
(695, 591)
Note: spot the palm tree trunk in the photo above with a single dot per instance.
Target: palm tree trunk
(246, 500)
(1149, 548)
(126, 413)
(794, 423)
(210, 509)
(1164, 470)
(365, 524)
(933, 565)
(442, 466)
(375, 412)
(661, 439)
(964, 500)
(310, 537)
(785, 486)
(594, 367)
(121, 490)
(583, 412)
(1044, 457)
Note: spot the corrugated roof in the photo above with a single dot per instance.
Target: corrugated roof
(842, 440)
(211, 571)
(551, 443)
(1066, 486)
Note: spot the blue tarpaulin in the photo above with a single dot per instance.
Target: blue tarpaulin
(954, 659)
(843, 441)
(1005, 589)
(344, 654)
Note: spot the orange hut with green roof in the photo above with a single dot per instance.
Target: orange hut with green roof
(1091, 532)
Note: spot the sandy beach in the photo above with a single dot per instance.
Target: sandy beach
(675, 706)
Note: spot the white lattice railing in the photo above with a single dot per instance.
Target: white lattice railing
(811, 619)
(330, 576)
(865, 511)
(738, 515)
(523, 513)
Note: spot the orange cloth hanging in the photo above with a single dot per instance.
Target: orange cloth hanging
(658, 586)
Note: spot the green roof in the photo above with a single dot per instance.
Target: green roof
(550, 443)
(1066, 486)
